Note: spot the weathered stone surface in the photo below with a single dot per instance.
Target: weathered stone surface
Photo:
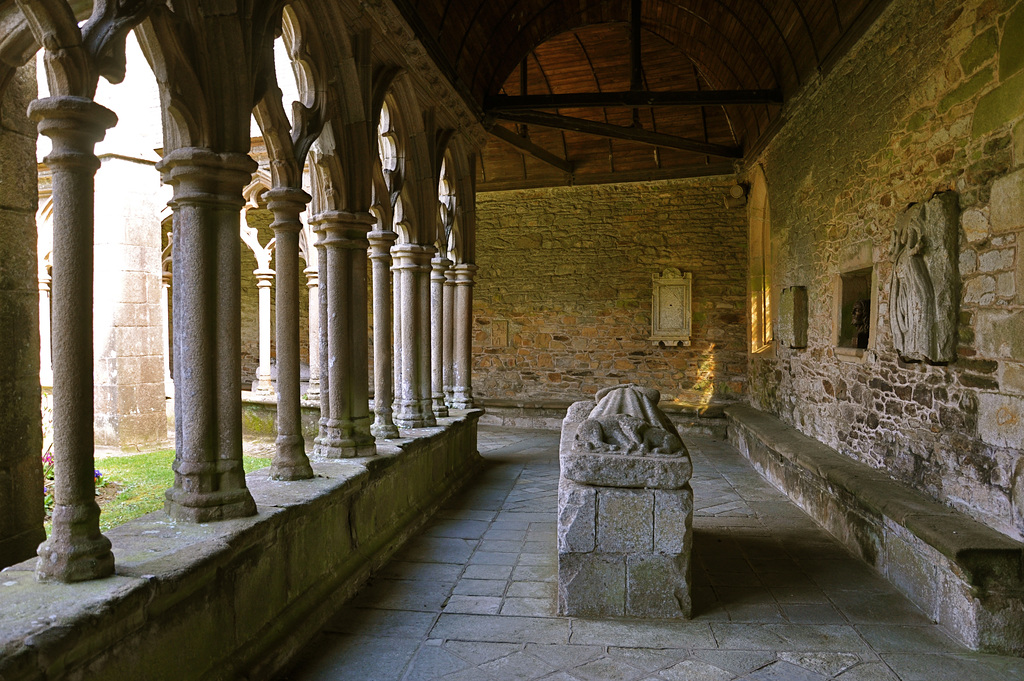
(1001, 419)
(658, 585)
(613, 470)
(577, 517)
(673, 517)
(625, 520)
(924, 301)
(1007, 208)
(591, 584)
(793, 317)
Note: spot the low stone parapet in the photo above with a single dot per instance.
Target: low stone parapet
(238, 598)
(961, 573)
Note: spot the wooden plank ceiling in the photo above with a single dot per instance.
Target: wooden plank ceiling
(765, 49)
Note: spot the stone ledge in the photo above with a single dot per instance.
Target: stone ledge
(963, 574)
(234, 599)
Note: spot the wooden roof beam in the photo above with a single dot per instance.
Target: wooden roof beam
(550, 120)
(525, 145)
(581, 100)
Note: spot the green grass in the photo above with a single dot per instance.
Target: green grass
(143, 478)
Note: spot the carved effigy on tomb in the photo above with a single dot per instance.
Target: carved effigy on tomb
(625, 509)
(925, 294)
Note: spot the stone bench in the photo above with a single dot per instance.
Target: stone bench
(963, 574)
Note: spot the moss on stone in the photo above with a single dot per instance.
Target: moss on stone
(1000, 106)
(983, 48)
(966, 90)
(918, 120)
(1011, 48)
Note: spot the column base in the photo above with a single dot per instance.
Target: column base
(382, 430)
(290, 462)
(462, 399)
(313, 389)
(440, 408)
(77, 551)
(346, 440)
(205, 507)
(414, 414)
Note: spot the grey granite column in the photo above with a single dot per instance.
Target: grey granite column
(75, 550)
(313, 318)
(439, 265)
(165, 327)
(412, 392)
(463, 358)
(264, 282)
(45, 361)
(323, 431)
(383, 372)
(290, 462)
(348, 425)
(449, 334)
(396, 333)
(209, 482)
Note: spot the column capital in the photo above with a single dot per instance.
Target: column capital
(412, 256)
(381, 238)
(75, 124)
(202, 176)
(264, 277)
(312, 276)
(287, 203)
(343, 229)
(465, 273)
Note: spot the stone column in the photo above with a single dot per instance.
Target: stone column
(449, 334)
(412, 283)
(348, 426)
(76, 550)
(463, 358)
(383, 373)
(313, 284)
(323, 432)
(209, 482)
(264, 380)
(439, 265)
(290, 462)
(45, 361)
(396, 335)
(165, 325)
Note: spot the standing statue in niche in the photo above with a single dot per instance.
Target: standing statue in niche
(924, 298)
(861, 320)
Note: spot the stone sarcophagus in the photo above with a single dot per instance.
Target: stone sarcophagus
(625, 509)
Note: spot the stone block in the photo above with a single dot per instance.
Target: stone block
(1000, 334)
(18, 264)
(18, 171)
(1007, 204)
(625, 520)
(1001, 419)
(591, 584)
(20, 90)
(1011, 58)
(975, 224)
(999, 106)
(618, 470)
(658, 585)
(673, 520)
(577, 517)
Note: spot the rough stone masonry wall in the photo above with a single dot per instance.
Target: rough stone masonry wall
(931, 99)
(21, 435)
(562, 303)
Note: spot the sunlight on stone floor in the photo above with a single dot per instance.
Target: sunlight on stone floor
(775, 597)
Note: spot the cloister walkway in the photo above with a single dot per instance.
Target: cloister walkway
(775, 597)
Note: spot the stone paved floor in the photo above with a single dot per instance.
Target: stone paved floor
(775, 597)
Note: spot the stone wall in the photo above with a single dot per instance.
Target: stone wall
(562, 302)
(930, 100)
(21, 436)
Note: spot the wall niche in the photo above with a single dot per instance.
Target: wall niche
(793, 317)
(855, 317)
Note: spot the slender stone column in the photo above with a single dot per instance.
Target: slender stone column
(383, 385)
(209, 482)
(449, 334)
(165, 325)
(463, 367)
(313, 284)
(264, 280)
(396, 336)
(348, 427)
(45, 361)
(412, 283)
(439, 265)
(290, 462)
(75, 550)
(324, 432)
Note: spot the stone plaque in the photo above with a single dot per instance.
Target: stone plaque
(671, 312)
(793, 317)
(925, 292)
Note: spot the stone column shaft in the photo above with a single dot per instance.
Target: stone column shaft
(313, 285)
(45, 359)
(449, 335)
(165, 325)
(412, 282)
(290, 461)
(75, 550)
(348, 426)
(264, 281)
(209, 482)
(439, 265)
(383, 371)
(396, 335)
(463, 364)
(323, 433)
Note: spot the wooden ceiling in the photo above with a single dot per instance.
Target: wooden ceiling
(758, 52)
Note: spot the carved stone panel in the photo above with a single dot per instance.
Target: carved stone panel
(671, 312)
(925, 294)
(793, 317)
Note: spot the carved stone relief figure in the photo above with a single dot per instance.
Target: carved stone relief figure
(925, 284)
